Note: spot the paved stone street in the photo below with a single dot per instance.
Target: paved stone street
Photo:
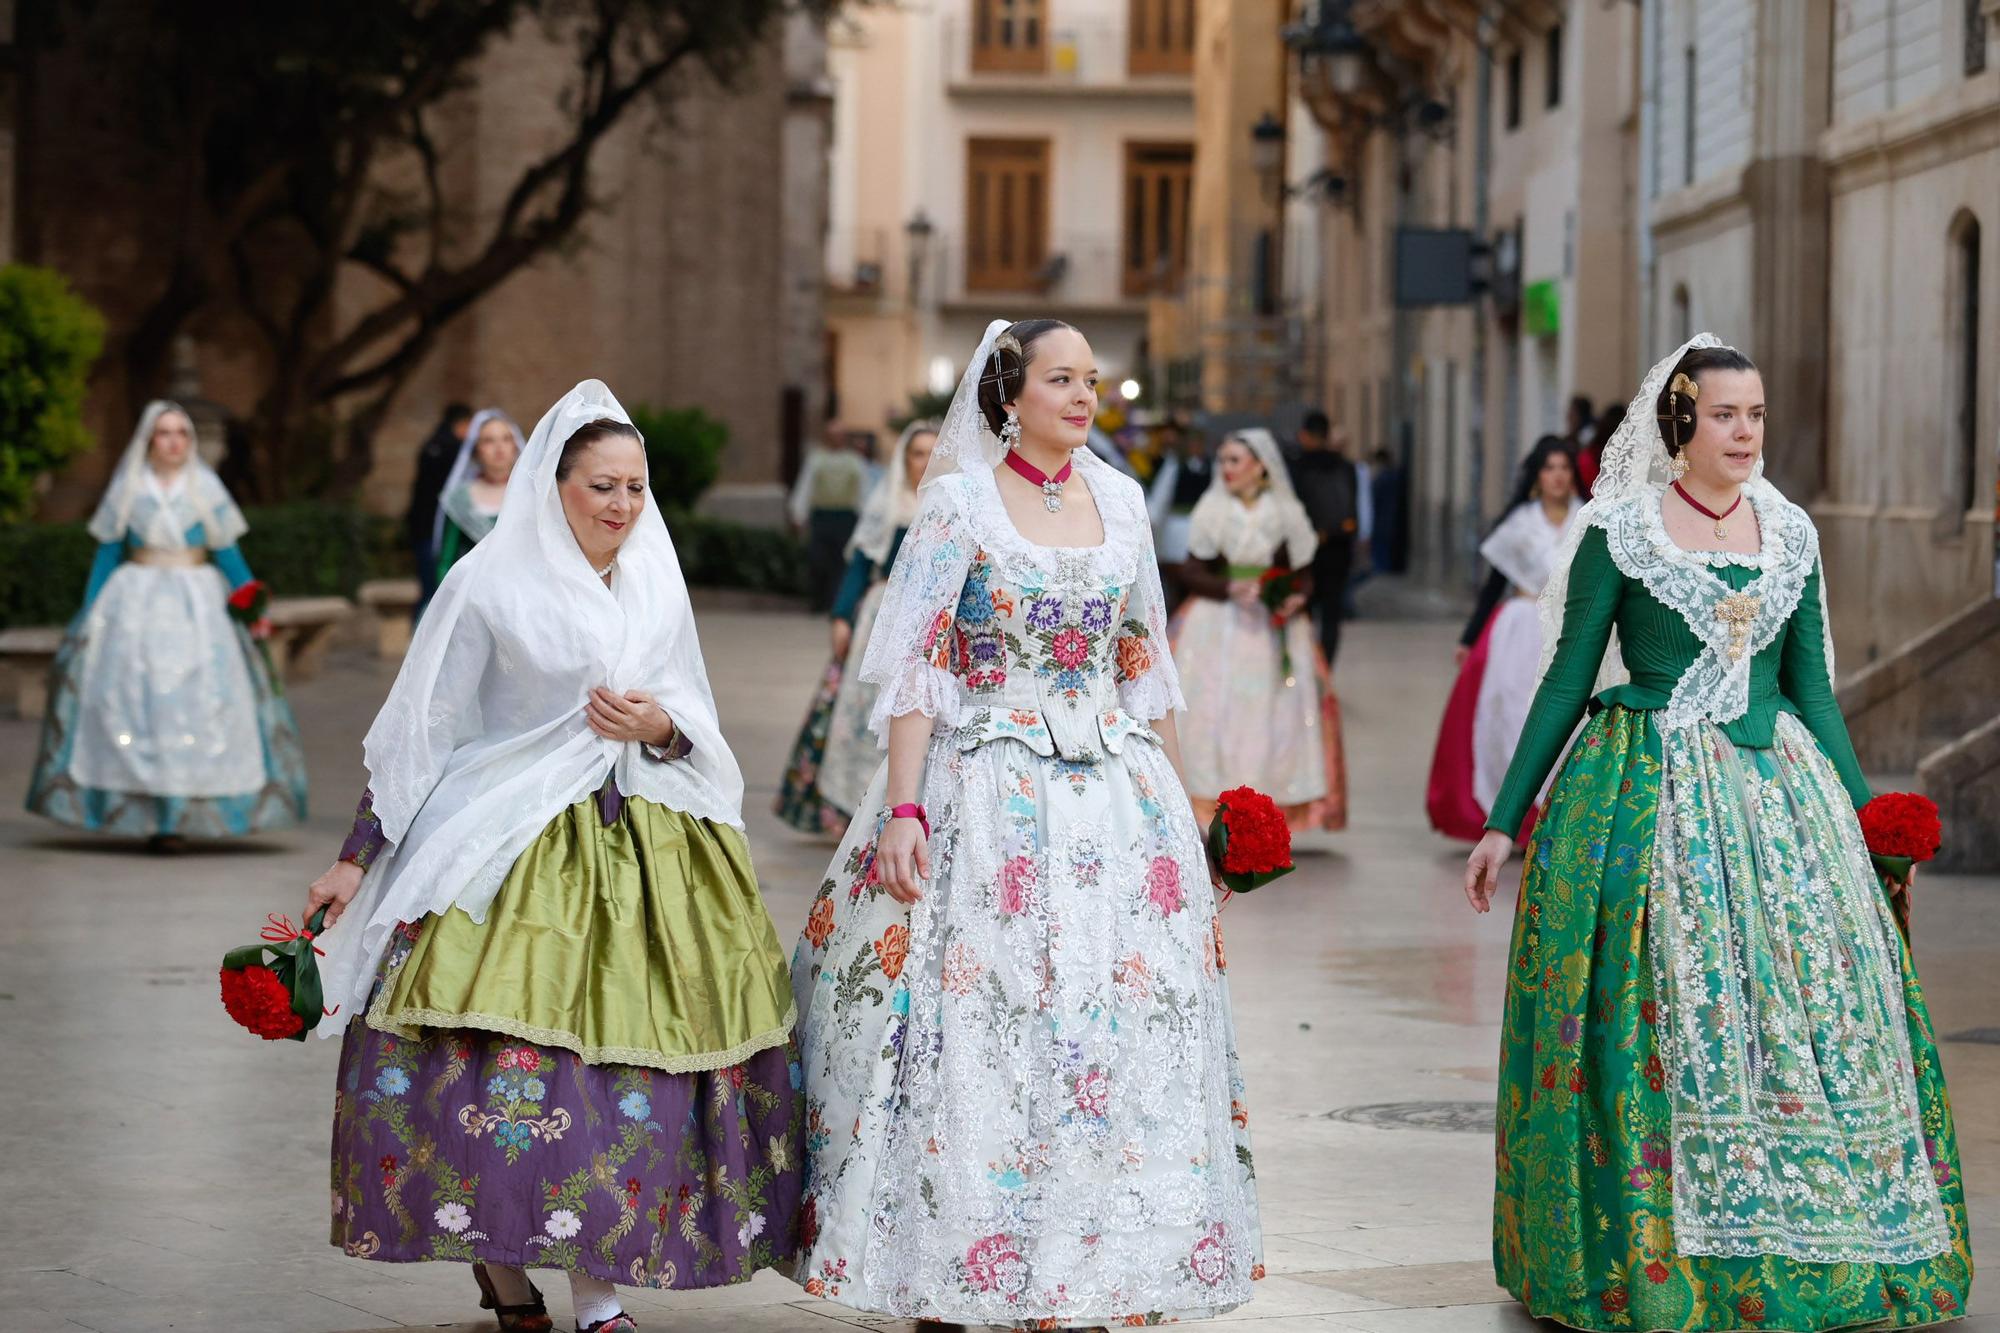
(163, 1170)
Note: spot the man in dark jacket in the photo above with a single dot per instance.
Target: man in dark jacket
(434, 462)
(1329, 487)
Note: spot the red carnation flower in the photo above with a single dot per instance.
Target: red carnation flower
(259, 1001)
(1614, 1300)
(1902, 823)
(1259, 839)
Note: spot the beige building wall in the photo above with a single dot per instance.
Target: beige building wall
(1913, 155)
(907, 101)
(1560, 181)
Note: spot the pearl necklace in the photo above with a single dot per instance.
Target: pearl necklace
(605, 572)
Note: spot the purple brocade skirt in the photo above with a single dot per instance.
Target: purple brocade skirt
(476, 1147)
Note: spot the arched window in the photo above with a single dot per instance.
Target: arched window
(1963, 376)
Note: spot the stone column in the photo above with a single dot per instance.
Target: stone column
(1786, 188)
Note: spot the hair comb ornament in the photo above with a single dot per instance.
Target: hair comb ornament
(1006, 342)
(1682, 395)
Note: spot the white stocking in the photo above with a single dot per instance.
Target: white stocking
(594, 1299)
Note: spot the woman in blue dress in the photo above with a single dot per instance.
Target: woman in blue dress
(164, 720)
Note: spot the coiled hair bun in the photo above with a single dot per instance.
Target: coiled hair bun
(1676, 406)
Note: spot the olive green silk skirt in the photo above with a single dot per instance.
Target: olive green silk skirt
(640, 942)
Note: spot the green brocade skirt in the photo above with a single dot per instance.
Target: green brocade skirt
(639, 942)
(1583, 1227)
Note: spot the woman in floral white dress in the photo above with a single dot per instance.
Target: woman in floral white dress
(1023, 1097)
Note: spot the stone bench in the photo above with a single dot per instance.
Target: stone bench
(302, 629)
(26, 653)
(392, 602)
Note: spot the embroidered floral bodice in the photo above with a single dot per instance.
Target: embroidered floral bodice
(1062, 648)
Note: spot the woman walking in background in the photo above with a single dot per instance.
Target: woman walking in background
(566, 1017)
(1500, 652)
(164, 719)
(1721, 1104)
(1260, 705)
(476, 486)
(836, 752)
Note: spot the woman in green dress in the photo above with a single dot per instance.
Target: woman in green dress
(1720, 1100)
(470, 503)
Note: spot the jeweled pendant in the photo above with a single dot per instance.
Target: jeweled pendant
(1718, 530)
(1052, 496)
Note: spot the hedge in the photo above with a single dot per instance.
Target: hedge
(311, 549)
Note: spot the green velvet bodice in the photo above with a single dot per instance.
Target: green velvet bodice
(1790, 675)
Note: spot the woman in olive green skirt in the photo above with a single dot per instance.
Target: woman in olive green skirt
(566, 1016)
(1721, 1105)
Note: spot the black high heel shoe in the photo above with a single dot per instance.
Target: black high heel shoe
(531, 1316)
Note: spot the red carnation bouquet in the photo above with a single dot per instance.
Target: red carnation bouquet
(250, 606)
(282, 999)
(1249, 841)
(1901, 829)
(1274, 586)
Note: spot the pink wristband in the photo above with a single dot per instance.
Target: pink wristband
(907, 810)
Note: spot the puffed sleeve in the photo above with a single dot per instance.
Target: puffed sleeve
(910, 648)
(1148, 685)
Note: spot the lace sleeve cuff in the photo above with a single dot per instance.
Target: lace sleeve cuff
(1151, 697)
(918, 687)
(365, 840)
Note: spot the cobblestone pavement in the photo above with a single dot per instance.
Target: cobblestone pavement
(164, 1171)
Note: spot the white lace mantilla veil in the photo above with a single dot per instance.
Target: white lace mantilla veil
(463, 466)
(1635, 461)
(891, 504)
(1300, 540)
(222, 522)
(482, 740)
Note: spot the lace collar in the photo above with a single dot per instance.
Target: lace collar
(1733, 627)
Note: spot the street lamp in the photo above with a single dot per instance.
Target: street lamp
(1129, 391)
(1330, 42)
(918, 231)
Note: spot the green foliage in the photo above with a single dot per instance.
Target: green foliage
(318, 550)
(718, 553)
(300, 550)
(683, 451)
(43, 567)
(306, 549)
(49, 336)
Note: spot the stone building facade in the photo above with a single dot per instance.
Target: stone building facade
(1827, 200)
(696, 284)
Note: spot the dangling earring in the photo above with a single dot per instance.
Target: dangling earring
(1678, 465)
(1010, 431)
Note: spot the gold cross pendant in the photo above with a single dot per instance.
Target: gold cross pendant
(1738, 611)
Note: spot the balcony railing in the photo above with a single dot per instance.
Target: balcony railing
(1073, 270)
(1079, 56)
(860, 260)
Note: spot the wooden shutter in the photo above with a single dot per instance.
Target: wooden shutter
(1160, 37)
(1010, 36)
(1006, 213)
(1159, 178)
